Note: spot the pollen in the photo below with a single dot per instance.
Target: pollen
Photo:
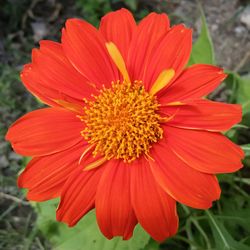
(122, 121)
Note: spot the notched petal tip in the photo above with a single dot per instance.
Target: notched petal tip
(73, 21)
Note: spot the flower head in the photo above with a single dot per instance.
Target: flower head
(127, 131)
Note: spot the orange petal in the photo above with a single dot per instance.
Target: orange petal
(45, 176)
(85, 48)
(179, 180)
(203, 114)
(152, 28)
(154, 208)
(51, 76)
(118, 27)
(171, 52)
(34, 85)
(55, 71)
(114, 212)
(45, 131)
(78, 195)
(194, 82)
(207, 152)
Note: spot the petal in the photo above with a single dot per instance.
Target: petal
(183, 183)
(114, 211)
(45, 131)
(78, 195)
(154, 209)
(195, 82)
(85, 47)
(45, 176)
(150, 30)
(33, 84)
(118, 27)
(53, 70)
(203, 114)
(171, 52)
(205, 151)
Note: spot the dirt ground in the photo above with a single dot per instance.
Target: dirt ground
(228, 22)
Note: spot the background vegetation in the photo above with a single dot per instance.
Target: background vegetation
(32, 226)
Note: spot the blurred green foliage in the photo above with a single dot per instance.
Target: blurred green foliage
(93, 10)
(85, 235)
(203, 50)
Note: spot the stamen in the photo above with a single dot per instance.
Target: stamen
(122, 122)
(118, 60)
(162, 81)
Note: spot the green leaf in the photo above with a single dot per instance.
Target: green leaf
(132, 4)
(85, 235)
(240, 93)
(223, 240)
(203, 51)
(243, 95)
(246, 148)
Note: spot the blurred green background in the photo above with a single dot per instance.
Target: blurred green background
(221, 37)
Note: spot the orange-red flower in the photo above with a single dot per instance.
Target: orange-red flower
(127, 131)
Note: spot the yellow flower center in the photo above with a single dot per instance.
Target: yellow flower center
(122, 122)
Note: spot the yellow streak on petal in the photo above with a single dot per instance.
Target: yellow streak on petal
(95, 164)
(162, 81)
(118, 60)
(71, 106)
(177, 103)
(85, 152)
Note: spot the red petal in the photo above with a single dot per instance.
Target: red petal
(152, 28)
(205, 151)
(171, 52)
(154, 209)
(85, 47)
(45, 131)
(118, 27)
(183, 183)
(114, 211)
(34, 85)
(54, 71)
(195, 82)
(45, 176)
(78, 195)
(203, 114)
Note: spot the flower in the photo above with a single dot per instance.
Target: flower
(127, 131)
